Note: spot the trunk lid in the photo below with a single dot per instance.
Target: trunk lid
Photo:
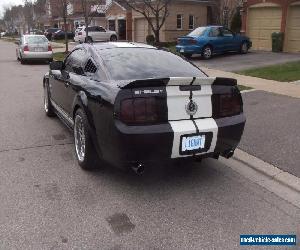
(185, 40)
(183, 97)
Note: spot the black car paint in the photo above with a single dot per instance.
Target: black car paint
(116, 142)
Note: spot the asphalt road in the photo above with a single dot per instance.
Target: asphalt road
(48, 202)
(272, 129)
(236, 62)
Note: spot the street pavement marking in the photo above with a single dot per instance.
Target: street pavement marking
(279, 182)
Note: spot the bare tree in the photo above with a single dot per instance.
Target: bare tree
(225, 10)
(155, 12)
(86, 7)
(39, 12)
(63, 6)
(28, 14)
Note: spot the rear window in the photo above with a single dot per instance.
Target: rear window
(198, 32)
(36, 39)
(140, 63)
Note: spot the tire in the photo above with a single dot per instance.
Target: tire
(207, 52)
(22, 61)
(84, 149)
(244, 48)
(49, 110)
(88, 39)
(113, 38)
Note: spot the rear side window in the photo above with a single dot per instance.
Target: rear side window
(74, 62)
(141, 63)
(36, 39)
(90, 67)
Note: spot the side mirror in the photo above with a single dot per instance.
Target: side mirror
(56, 65)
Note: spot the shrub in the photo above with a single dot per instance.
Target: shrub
(150, 39)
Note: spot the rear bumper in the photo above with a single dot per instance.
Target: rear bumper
(189, 49)
(163, 142)
(37, 55)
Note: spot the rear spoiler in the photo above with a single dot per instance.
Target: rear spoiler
(177, 81)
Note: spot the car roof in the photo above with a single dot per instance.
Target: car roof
(30, 35)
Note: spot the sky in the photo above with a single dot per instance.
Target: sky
(4, 3)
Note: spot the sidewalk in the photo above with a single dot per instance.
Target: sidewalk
(282, 88)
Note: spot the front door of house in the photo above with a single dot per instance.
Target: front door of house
(122, 29)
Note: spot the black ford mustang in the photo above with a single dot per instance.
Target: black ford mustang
(131, 104)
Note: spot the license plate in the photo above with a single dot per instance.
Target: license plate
(181, 50)
(38, 49)
(195, 142)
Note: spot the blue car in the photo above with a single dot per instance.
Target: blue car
(211, 40)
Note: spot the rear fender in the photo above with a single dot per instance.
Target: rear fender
(81, 101)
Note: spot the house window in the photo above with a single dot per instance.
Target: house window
(179, 21)
(191, 22)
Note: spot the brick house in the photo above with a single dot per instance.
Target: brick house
(262, 17)
(75, 16)
(184, 16)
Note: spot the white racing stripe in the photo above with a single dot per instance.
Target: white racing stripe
(178, 117)
(188, 80)
(208, 125)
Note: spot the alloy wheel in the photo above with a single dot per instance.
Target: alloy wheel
(46, 99)
(244, 48)
(207, 52)
(79, 135)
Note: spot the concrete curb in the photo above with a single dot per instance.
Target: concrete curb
(279, 182)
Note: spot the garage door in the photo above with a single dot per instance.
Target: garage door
(140, 30)
(293, 29)
(262, 22)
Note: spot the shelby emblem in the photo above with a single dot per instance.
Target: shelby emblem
(191, 107)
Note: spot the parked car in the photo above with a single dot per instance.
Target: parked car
(132, 104)
(49, 32)
(60, 34)
(33, 47)
(36, 32)
(211, 40)
(95, 33)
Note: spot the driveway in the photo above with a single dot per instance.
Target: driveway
(272, 129)
(236, 62)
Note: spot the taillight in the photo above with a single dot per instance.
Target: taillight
(49, 47)
(26, 48)
(192, 41)
(79, 33)
(142, 110)
(227, 104)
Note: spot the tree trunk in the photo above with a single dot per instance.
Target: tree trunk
(66, 34)
(156, 35)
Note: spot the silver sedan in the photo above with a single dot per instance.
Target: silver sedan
(34, 47)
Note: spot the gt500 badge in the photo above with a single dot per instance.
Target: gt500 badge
(191, 107)
(148, 91)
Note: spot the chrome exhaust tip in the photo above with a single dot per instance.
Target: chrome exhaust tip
(228, 154)
(138, 168)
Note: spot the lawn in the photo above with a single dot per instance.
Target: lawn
(59, 56)
(287, 72)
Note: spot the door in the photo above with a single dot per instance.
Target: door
(293, 29)
(64, 83)
(262, 22)
(216, 40)
(140, 30)
(230, 43)
(102, 35)
(122, 29)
